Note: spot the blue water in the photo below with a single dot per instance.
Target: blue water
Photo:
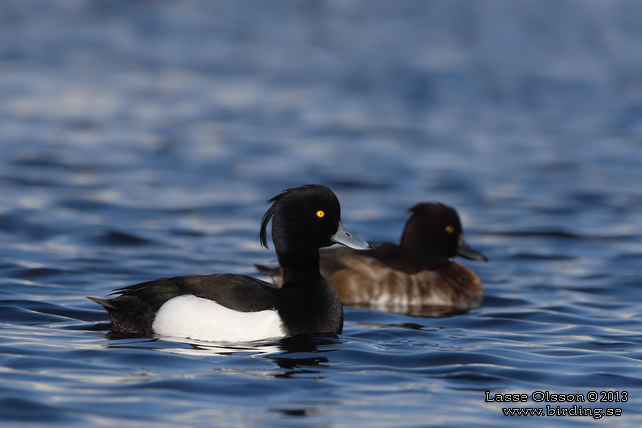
(142, 139)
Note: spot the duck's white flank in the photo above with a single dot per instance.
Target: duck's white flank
(202, 319)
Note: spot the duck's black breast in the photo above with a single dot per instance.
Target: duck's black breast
(310, 306)
(134, 310)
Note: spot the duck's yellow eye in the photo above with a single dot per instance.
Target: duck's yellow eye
(450, 228)
(320, 213)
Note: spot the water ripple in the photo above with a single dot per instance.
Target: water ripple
(143, 140)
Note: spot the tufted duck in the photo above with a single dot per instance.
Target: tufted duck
(231, 307)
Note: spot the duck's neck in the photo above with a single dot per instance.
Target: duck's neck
(299, 265)
(424, 248)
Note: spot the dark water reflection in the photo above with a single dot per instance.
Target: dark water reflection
(140, 140)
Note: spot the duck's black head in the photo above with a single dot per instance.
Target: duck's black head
(435, 229)
(305, 219)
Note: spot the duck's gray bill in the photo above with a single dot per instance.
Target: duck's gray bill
(465, 251)
(342, 236)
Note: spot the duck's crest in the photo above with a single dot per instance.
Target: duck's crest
(265, 221)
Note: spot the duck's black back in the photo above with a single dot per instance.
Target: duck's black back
(134, 310)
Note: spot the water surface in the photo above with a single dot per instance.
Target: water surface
(140, 140)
